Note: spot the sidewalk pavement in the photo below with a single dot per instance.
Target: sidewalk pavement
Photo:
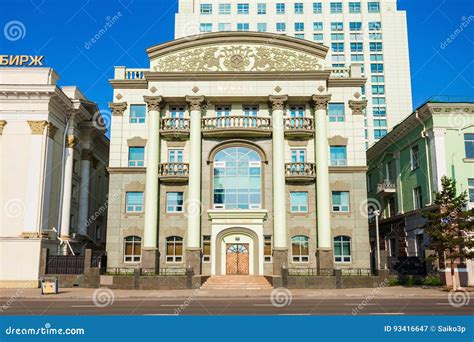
(86, 294)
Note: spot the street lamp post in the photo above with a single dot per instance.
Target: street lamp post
(377, 214)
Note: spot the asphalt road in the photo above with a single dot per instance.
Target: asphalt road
(241, 306)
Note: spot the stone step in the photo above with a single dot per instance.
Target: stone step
(236, 283)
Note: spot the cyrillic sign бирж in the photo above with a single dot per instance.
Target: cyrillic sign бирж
(21, 60)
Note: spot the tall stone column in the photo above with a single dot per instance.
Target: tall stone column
(84, 191)
(400, 209)
(280, 244)
(323, 197)
(46, 224)
(71, 141)
(150, 253)
(193, 205)
(34, 181)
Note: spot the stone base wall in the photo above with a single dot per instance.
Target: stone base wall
(151, 282)
(332, 282)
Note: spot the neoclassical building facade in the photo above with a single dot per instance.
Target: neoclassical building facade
(237, 153)
(53, 177)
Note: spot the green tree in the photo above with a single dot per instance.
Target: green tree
(451, 226)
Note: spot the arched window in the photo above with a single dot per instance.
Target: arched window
(174, 249)
(300, 248)
(132, 249)
(342, 249)
(237, 179)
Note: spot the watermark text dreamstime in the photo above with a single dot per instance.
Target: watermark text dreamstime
(466, 21)
(110, 21)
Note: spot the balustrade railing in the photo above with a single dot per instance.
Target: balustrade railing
(299, 124)
(174, 169)
(237, 122)
(173, 124)
(300, 169)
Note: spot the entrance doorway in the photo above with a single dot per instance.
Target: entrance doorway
(237, 258)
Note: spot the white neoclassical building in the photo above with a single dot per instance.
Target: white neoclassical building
(237, 153)
(53, 177)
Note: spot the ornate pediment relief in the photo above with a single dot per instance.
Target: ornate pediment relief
(237, 58)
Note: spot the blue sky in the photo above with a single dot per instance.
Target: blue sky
(59, 30)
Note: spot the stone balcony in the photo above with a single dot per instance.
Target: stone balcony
(387, 188)
(236, 126)
(174, 128)
(299, 128)
(173, 172)
(300, 172)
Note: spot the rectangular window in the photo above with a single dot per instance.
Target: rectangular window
(267, 248)
(337, 26)
(469, 145)
(206, 248)
(299, 35)
(205, 27)
(357, 47)
(379, 133)
(355, 26)
(261, 8)
(338, 155)
(224, 27)
(337, 36)
(136, 156)
(242, 8)
(224, 8)
(318, 26)
(318, 37)
(354, 7)
(470, 185)
(206, 8)
(132, 249)
(134, 202)
(420, 242)
(380, 123)
(336, 7)
(374, 7)
(375, 47)
(175, 155)
(414, 157)
(356, 37)
(299, 202)
(375, 36)
(174, 202)
(340, 201)
(280, 8)
(299, 27)
(337, 47)
(280, 27)
(375, 26)
(174, 249)
(317, 8)
(378, 89)
(376, 68)
(137, 113)
(342, 249)
(298, 155)
(336, 112)
(242, 27)
(262, 27)
(417, 198)
(298, 8)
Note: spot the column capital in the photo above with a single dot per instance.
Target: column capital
(320, 101)
(3, 123)
(196, 103)
(153, 102)
(357, 106)
(117, 108)
(87, 154)
(52, 129)
(277, 102)
(71, 141)
(37, 127)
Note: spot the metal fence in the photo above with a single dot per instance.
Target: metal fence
(128, 271)
(64, 264)
(311, 272)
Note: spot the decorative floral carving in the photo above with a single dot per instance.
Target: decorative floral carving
(37, 127)
(277, 102)
(117, 108)
(154, 102)
(357, 106)
(3, 123)
(196, 103)
(321, 101)
(71, 141)
(52, 129)
(238, 58)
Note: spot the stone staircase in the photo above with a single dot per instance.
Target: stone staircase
(236, 282)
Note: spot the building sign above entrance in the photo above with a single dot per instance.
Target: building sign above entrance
(21, 60)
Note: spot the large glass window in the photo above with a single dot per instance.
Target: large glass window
(206, 8)
(134, 202)
(338, 155)
(336, 7)
(417, 198)
(174, 249)
(137, 113)
(342, 249)
(298, 8)
(336, 112)
(237, 179)
(224, 8)
(469, 145)
(280, 8)
(317, 7)
(374, 7)
(300, 248)
(242, 8)
(136, 156)
(205, 27)
(470, 185)
(174, 202)
(261, 8)
(243, 26)
(206, 248)
(299, 202)
(354, 7)
(340, 201)
(414, 157)
(132, 249)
